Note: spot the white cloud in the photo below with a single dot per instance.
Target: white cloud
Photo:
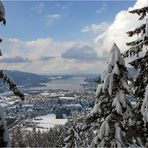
(95, 28)
(116, 32)
(83, 53)
(60, 65)
(36, 48)
(51, 18)
(101, 9)
(44, 55)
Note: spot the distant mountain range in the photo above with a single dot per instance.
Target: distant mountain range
(26, 78)
(31, 79)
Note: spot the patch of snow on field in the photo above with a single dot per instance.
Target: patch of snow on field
(44, 94)
(48, 121)
(69, 98)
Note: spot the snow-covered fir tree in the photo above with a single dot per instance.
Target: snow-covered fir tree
(78, 134)
(139, 48)
(73, 137)
(112, 108)
(4, 138)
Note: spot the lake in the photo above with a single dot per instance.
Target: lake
(73, 83)
(70, 84)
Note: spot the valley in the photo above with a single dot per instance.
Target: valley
(56, 100)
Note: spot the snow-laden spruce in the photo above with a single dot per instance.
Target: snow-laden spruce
(140, 113)
(76, 136)
(112, 106)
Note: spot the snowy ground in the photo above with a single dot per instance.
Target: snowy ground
(7, 101)
(69, 98)
(47, 121)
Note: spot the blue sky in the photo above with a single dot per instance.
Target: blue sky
(26, 20)
(54, 36)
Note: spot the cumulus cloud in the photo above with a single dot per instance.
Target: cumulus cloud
(116, 32)
(81, 53)
(34, 49)
(102, 9)
(45, 56)
(96, 28)
(61, 65)
(51, 18)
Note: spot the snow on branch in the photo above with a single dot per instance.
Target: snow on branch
(138, 63)
(144, 107)
(135, 49)
(116, 56)
(112, 63)
(137, 45)
(99, 90)
(104, 130)
(92, 118)
(119, 102)
(137, 31)
(141, 12)
(12, 85)
(119, 135)
(133, 43)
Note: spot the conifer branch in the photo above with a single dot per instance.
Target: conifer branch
(133, 43)
(137, 31)
(141, 12)
(12, 85)
(137, 47)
